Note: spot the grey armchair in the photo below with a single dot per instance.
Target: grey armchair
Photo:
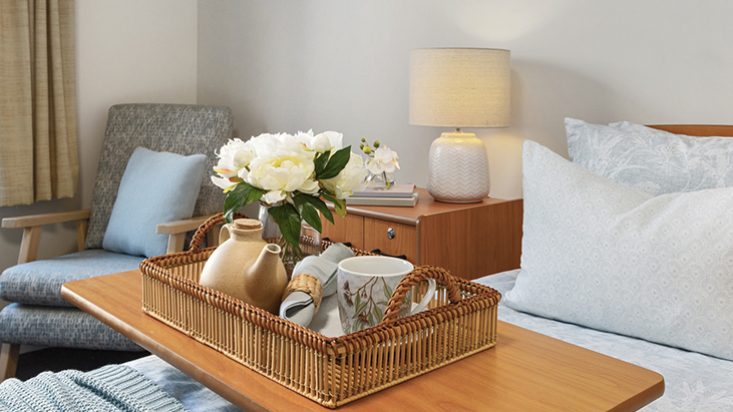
(38, 315)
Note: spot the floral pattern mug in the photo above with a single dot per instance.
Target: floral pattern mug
(365, 286)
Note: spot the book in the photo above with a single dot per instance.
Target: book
(401, 190)
(382, 201)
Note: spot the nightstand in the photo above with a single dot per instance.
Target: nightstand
(470, 240)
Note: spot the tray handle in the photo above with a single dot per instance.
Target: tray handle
(421, 273)
(198, 237)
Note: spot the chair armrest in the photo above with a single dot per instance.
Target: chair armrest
(180, 226)
(31, 225)
(177, 230)
(20, 222)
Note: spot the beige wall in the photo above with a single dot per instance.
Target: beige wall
(127, 51)
(342, 64)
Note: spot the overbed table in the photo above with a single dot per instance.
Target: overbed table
(525, 371)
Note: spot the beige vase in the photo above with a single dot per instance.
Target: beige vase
(246, 267)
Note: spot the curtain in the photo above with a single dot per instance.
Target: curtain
(38, 148)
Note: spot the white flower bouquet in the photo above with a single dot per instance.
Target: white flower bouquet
(292, 175)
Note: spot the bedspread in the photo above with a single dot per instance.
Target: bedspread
(693, 382)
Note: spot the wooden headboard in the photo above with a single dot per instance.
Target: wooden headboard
(696, 129)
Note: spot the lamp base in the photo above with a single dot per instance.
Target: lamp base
(458, 168)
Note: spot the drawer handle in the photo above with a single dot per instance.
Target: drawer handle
(379, 252)
(391, 233)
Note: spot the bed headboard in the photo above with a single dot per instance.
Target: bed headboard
(696, 129)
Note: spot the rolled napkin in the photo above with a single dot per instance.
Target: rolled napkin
(313, 279)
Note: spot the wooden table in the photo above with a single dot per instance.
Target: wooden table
(525, 371)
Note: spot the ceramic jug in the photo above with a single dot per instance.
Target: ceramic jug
(246, 267)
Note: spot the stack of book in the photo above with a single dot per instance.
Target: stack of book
(397, 195)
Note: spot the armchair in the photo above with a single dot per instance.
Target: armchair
(37, 314)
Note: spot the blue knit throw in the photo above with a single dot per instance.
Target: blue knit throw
(110, 388)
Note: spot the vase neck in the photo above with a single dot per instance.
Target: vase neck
(246, 229)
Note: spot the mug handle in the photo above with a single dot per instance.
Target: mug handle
(421, 273)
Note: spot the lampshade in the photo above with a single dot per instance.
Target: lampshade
(460, 87)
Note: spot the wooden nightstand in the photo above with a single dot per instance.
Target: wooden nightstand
(470, 240)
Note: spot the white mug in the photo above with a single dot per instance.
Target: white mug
(365, 286)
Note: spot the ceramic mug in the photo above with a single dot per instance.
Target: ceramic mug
(365, 286)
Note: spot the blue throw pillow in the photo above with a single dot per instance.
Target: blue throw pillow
(157, 187)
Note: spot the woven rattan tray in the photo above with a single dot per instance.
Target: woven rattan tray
(461, 320)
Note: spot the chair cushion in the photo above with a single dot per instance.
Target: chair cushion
(157, 187)
(176, 128)
(39, 282)
(58, 327)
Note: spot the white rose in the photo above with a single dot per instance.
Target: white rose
(384, 160)
(305, 137)
(273, 196)
(234, 156)
(351, 178)
(221, 182)
(310, 186)
(323, 142)
(282, 163)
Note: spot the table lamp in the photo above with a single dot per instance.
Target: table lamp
(459, 87)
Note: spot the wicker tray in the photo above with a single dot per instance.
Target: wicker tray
(461, 320)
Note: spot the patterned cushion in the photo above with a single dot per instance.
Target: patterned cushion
(182, 129)
(612, 258)
(651, 160)
(58, 327)
(39, 282)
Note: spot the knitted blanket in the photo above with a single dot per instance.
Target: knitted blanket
(110, 388)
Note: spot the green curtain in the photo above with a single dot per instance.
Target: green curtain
(38, 147)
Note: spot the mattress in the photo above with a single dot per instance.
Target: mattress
(693, 382)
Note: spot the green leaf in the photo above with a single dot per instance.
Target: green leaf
(321, 160)
(315, 202)
(311, 216)
(288, 220)
(335, 164)
(242, 195)
(339, 205)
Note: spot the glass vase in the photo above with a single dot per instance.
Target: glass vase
(289, 254)
(380, 181)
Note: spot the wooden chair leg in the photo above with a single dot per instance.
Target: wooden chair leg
(9, 353)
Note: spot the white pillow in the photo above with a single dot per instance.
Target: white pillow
(612, 258)
(651, 160)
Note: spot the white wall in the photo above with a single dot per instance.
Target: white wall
(127, 51)
(343, 65)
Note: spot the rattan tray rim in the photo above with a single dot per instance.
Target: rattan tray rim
(483, 296)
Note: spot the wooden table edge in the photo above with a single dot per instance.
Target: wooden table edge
(153, 347)
(636, 402)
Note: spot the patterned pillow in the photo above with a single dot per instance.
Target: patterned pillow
(651, 160)
(612, 258)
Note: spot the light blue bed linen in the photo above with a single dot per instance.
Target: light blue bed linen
(693, 382)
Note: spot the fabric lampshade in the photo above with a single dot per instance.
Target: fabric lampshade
(460, 87)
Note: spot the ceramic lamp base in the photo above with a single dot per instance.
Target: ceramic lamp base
(458, 168)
